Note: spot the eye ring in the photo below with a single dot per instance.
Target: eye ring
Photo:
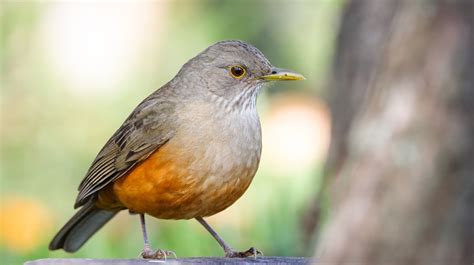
(237, 71)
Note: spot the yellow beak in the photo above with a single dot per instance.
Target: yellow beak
(283, 75)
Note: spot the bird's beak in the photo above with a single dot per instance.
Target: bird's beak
(282, 75)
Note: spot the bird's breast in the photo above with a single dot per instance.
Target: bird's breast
(202, 170)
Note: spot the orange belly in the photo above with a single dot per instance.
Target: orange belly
(167, 187)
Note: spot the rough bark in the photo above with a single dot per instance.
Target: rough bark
(401, 164)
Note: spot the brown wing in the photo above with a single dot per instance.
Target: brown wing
(144, 131)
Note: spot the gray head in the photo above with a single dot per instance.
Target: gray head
(233, 71)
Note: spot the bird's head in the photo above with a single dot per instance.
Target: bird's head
(233, 71)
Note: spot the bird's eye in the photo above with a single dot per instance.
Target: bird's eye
(237, 71)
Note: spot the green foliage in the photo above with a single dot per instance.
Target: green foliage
(50, 133)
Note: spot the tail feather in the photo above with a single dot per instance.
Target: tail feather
(81, 227)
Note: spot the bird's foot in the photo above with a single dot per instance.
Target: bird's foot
(251, 252)
(149, 253)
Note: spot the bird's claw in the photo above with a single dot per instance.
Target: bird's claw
(148, 253)
(251, 252)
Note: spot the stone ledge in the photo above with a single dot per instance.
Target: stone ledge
(201, 260)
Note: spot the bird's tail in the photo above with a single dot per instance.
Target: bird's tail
(81, 227)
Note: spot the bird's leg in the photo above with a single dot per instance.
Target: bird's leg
(229, 252)
(148, 252)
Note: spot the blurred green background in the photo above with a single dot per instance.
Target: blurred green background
(71, 72)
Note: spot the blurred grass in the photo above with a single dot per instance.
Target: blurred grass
(50, 133)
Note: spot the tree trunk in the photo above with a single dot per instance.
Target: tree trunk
(401, 164)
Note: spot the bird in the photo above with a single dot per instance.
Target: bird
(188, 151)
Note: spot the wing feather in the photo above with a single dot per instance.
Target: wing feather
(143, 132)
